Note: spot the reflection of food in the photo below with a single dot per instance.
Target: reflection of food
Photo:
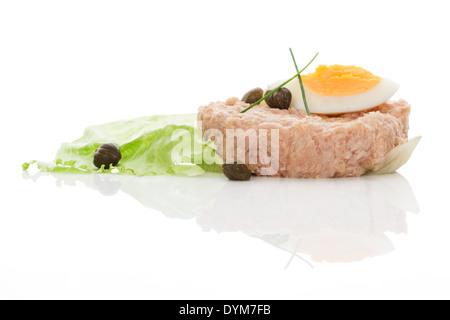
(369, 205)
(311, 147)
(342, 247)
(336, 220)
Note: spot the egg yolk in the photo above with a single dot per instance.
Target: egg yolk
(340, 80)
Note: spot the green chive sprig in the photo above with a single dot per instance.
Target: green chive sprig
(279, 87)
(301, 84)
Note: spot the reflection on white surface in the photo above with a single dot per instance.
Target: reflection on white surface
(332, 220)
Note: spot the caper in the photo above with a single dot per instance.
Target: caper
(281, 99)
(253, 95)
(107, 154)
(236, 171)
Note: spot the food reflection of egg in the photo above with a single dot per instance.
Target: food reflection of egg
(340, 89)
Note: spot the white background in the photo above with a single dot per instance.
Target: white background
(65, 65)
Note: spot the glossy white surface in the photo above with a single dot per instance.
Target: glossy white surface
(73, 236)
(65, 66)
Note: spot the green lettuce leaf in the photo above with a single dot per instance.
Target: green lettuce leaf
(149, 146)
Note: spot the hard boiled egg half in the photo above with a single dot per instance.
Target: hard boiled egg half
(340, 89)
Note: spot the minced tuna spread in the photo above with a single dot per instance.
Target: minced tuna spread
(316, 146)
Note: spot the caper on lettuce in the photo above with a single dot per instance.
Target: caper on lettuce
(107, 154)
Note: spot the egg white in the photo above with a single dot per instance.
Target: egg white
(321, 104)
